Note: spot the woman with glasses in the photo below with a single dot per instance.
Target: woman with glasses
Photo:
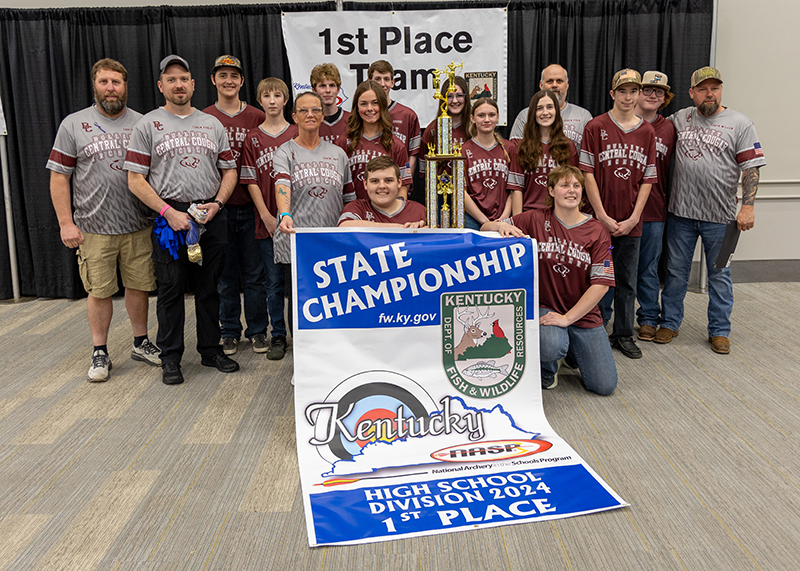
(312, 182)
(369, 135)
(459, 110)
(543, 147)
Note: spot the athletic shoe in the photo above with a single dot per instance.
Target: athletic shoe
(627, 347)
(171, 374)
(259, 343)
(551, 383)
(720, 345)
(101, 367)
(230, 345)
(222, 362)
(277, 349)
(147, 352)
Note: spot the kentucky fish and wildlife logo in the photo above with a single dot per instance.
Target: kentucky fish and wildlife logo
(483, 341)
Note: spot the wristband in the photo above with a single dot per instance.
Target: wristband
(163, 210)
(282, 214)
(221, 206)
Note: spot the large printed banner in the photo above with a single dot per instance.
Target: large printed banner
(414, 42)
(417, 390)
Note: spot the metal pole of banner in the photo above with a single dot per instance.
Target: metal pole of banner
(12, 243)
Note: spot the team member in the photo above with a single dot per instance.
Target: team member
(554, 78)
(369, 134)
(108, 222)
(242, 260)
(326, 82)
(312, 181)
(618, 157)
(178, 156)
(258, 173)
(655, 97)
(714, 143)
(487, 169)
(405, 123)
(575, 271)
(458, 107)
(543, 147)
(385, 206)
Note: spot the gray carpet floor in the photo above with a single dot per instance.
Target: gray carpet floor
(135, 475)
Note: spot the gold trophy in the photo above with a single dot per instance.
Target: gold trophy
(450, 186)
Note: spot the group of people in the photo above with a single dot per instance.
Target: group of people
(238, 180)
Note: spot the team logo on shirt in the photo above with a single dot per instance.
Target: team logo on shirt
(603, 134)
(190, 162)
(623, 173)
(483, 341)
(117, 165)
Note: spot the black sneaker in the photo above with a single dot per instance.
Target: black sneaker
(627, 347)
(259, 343)
(230, 345)
(221, 361)
(171, 374)
(277, 349)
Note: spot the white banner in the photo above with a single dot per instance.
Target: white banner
(414, 42)
(418, 403)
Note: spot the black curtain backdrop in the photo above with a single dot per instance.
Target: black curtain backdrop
(46, 58)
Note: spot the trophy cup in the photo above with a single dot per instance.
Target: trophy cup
(438, 181)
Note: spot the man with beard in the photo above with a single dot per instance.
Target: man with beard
(106, 223)
(180, 156)
(554, 78)
(714, 143)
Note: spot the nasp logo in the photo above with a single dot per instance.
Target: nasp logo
(491, 450)
(483, 341)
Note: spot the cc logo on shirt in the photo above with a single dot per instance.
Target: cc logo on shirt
(190, 162)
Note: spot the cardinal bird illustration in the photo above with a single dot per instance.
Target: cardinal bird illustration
(498, 332)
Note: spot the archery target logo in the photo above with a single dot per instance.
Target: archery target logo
(365, 408)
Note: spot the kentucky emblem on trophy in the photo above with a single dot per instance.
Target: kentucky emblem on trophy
(439, 179)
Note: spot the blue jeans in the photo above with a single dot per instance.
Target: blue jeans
(274, 286)
(470, 222)
(590, 348)
(242, 260)
(682, 236)
(625, 254)
(648, 285)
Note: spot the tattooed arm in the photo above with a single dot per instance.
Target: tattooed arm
(747, 218)
(283, 197)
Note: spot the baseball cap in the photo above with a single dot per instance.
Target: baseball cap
(656, 79)
(624, 76)
(227, 61)
(705, 73)
(170, 59)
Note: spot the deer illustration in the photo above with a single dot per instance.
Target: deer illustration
(471, 330)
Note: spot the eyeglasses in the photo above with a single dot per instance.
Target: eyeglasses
(659, 93)
(306, 111)
(455, 96)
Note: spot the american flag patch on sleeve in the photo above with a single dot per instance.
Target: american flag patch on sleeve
(757, 148)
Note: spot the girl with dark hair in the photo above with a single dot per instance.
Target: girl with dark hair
(487, 197)
(543, 147)
(369, 135)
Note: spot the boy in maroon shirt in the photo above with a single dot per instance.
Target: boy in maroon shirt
(384, 207)
(618, 157)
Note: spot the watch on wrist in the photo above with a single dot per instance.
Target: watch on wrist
(221, 206)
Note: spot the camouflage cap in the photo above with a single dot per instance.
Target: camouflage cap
(227, 61)
(624, 76)
(704, 73)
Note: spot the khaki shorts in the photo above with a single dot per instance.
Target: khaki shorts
(99, 255)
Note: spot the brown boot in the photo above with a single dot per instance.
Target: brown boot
(720, 345)
(646, 332)
(664, 335)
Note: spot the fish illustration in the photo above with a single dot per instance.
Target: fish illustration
(483, 369)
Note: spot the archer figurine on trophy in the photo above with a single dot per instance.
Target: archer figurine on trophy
(438, 181)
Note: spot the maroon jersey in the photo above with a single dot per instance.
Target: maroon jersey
(534, 183)
(335, 130)
(570, 260)
(367, 150)
(237, 126)
(405, 126)
(656, 208)
(429, 136)
(620, 161)
(487, 177)
(256, 165)
(364, 210)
